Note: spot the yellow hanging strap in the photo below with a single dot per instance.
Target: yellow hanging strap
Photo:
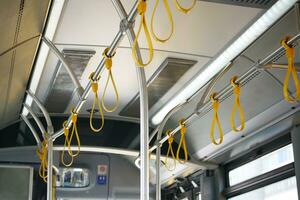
(142, 7)
(157, 38)
(215, 105)
(66, 143)
(42, 154)
(108, 65)
(74, 130)
(96, 101)
(290, 54)
(170, 150)
(182, 9)
(68, 140)
(182, 143)
(237, 106)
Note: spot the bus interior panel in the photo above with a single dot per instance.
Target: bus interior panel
(149, 100)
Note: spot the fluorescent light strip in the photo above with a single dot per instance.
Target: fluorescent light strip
(51, 26)
(249, 36)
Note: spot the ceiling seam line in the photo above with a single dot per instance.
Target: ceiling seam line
(12, 62)
(124, 47)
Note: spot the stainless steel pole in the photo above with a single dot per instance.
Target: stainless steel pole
(144, 123)
(37, 120)
(44, 111)
(50, 170)
(33, 131)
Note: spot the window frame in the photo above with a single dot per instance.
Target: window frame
(264, 179)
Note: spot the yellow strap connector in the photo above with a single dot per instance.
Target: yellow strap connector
(96, 101)
(215, 105)
(108, 65)
(170, 151)
(237, 106)
(142, 7)
(182, 143)
(290, 54)
(42, 154)
(182, 9)
(155, 36)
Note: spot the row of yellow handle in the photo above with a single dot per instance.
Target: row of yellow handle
(108, 66)
(96, 102)
(142, 8)
(291, 71)
(290, 54)
(182, 145)
(236, 107)
(215, 104)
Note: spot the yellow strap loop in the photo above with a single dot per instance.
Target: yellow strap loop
(290, 54)
(68, 140)
(74, 130)
(42, 154)
(96, 101)
(108, 65)
(66, 144)
(142, 7)
(182, 9)
(155, 36)
(182, 143)
(237, 106)
(170, 150)
(215, 105)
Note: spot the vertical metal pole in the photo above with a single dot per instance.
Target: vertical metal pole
(144, 124)
(50, 171)
(296, 147)
(144, 132)
(207, 184)
(295, 135)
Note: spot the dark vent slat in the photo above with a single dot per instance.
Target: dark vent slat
(170, 71)
(60, 92)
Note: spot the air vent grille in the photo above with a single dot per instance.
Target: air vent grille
(170, 71)
(61, 90)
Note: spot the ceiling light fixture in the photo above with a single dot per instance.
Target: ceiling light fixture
(51, 26)
(238, 46)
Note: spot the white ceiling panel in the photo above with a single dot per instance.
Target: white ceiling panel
(124, 73)
(198, 35)
(87, 22)
(204, 31)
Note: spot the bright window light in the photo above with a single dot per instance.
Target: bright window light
(44, 50)
(264, 164)
(285, 189)
(249, 36)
